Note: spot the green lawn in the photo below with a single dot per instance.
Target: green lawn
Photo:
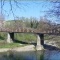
(10, 45)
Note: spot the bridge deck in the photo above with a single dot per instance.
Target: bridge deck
(28, 30)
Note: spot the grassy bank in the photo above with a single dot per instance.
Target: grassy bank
(10, 45)
(26, 38)
(17, 36)
(20, 37)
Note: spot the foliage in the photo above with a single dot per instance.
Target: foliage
(25, 37)
(30, 23)
(3, 35)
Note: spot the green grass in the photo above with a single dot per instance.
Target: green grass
(18, 36)
(25, 37)
(10, 45)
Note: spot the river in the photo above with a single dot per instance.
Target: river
(31, 55)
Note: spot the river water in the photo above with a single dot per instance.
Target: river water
(31, 55)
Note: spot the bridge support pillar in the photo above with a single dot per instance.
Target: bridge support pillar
(40, 41)
(10, 37)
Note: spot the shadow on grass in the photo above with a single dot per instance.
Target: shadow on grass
(22, 42)
(50, 47)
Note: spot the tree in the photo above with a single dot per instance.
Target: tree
(11, 3)
(2, 18)
(34, 22)
(44, 24)
(55, 11)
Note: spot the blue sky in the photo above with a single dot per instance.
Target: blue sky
(27, 9)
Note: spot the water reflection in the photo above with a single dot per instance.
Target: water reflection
(52, 55)
(39, 55)
(32, 55)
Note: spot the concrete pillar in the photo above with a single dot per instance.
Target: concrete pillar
(10, 37)
(40, 41)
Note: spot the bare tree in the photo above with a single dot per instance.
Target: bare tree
(55, 11)
(18, 4)
(43, 24)
(2, 18)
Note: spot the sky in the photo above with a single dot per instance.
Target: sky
(26, 9)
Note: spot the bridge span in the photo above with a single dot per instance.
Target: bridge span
(40, 34)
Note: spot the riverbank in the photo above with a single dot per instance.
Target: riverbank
(22, 47)
(19, 49)
(52, 43)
